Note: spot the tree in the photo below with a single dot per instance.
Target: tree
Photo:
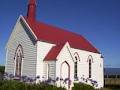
(2, 69)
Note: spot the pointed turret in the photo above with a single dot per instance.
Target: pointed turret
(31, 13)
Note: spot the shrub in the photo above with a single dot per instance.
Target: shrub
(2, 69)
(16, 85)
(81, 86)
(105, 89)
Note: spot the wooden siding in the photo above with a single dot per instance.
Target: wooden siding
(21, 35)
(52, 71)
(49, 70)
(83, 66)
(42, 50)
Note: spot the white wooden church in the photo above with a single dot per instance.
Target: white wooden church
(38, 49)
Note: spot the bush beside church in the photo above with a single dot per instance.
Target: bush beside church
(15, 85)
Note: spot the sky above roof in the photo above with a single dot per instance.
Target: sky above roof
(97, 20)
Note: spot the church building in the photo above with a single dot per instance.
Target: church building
(38, 49)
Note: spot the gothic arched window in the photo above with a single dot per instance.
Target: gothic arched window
(76, 57)
(90, 61)
(90, 67)
(18, 60)
(75, 70)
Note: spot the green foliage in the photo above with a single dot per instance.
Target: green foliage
(15, 85)
(105, 89)
(81, 86)
(113, 86)
(2, 69)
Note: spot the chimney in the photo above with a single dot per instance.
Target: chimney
(31, 13)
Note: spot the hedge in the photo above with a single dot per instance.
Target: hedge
(81, 86)
(2, 69)
(16, 85)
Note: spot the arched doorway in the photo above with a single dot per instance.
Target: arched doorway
(65, 74)
(18, 60)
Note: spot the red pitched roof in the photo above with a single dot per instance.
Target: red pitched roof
(56, 35)
(53, 53)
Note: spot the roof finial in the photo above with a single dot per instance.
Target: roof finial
(31, 13)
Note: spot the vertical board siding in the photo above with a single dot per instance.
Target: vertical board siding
(21, 36)
(49, 65)
(42, 50)
(52, 69)
(45, 71)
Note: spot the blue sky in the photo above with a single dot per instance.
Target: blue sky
(97, 20)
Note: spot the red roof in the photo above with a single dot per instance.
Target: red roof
(53, 53)
(57, 36)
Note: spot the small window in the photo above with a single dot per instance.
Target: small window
(90, 68)
(90, 61)
(76, 59)
(75, 70)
